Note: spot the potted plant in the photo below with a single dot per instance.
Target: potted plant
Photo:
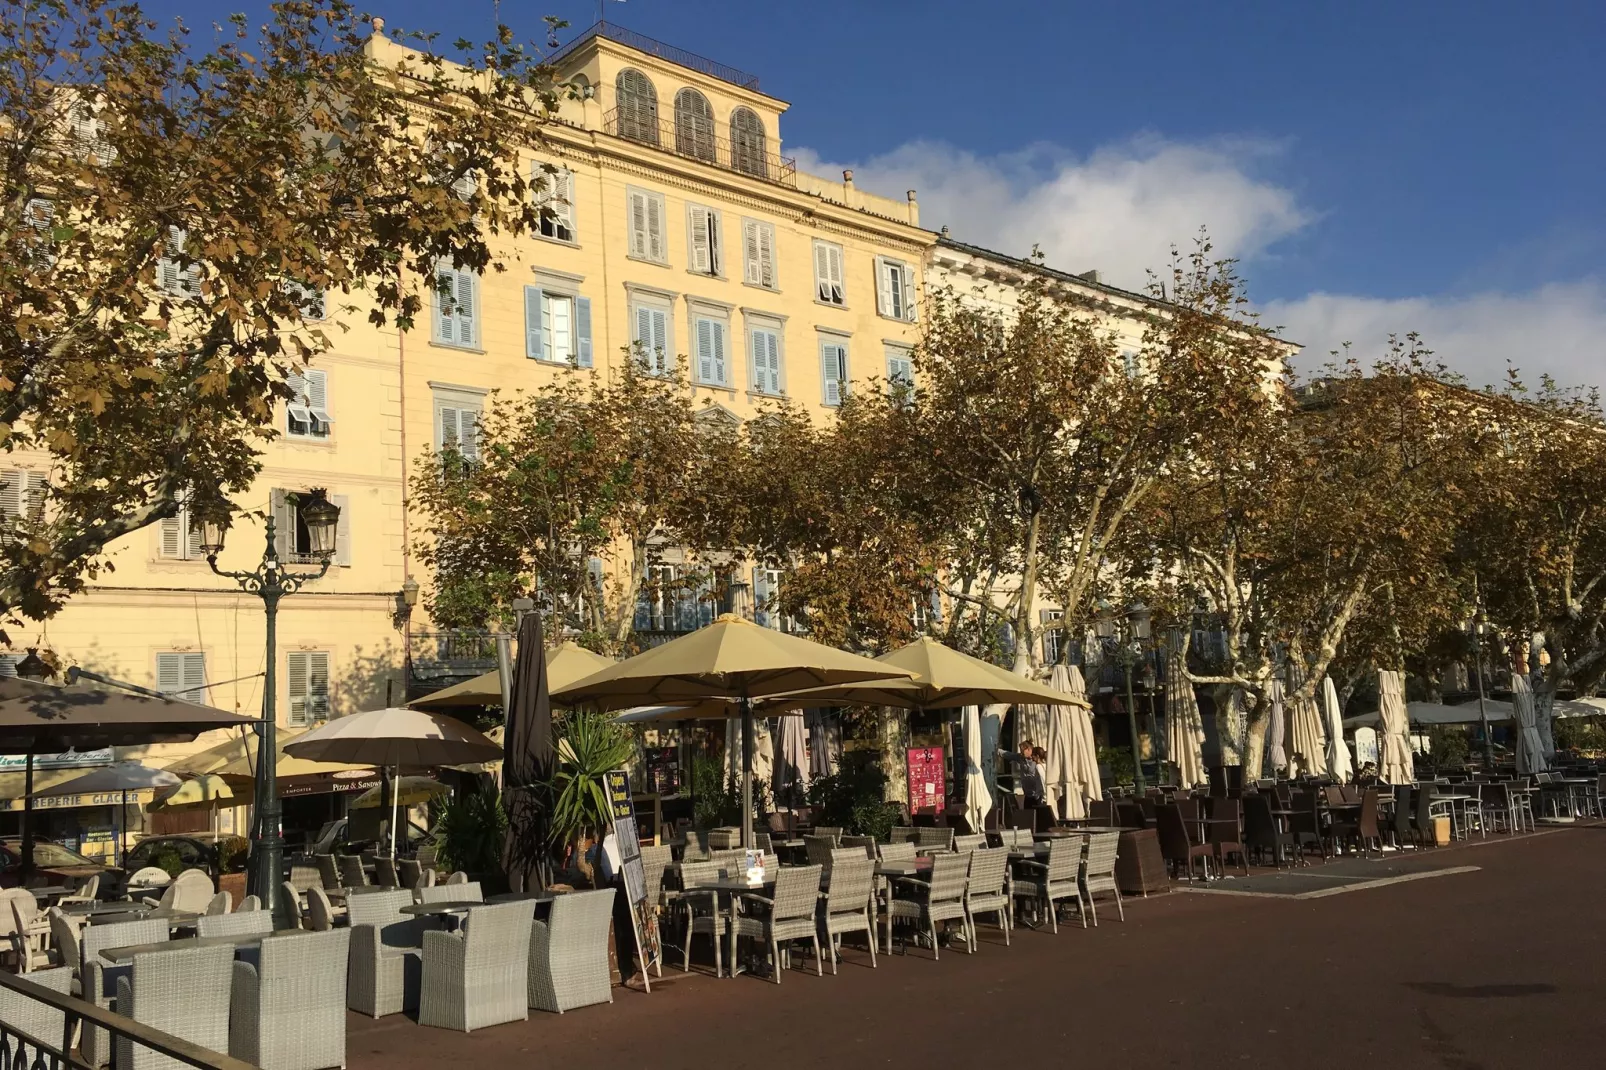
(231, 856)
(469, 836)
(589, 745)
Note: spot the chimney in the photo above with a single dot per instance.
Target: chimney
(914, 209)
(1092, 276)
(945, 230)
(847, 179)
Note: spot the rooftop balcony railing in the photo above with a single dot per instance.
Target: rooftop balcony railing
(701, 143)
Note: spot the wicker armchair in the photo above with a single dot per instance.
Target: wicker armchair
(409, 873)
(986, 891)
(818, 849)
(478, 976)
(220, 903)
(789, 915)
(303, 876)
(927, 903)
(703, 911)
(903, 834)
(469, 892)
(19, 1012)
(251, 922)
(846, 907)
(26, 931)
(321, 914)
(292, 905)
(327, 871)
(835, 834)
(385, 874)
(189, 893)
(898, 851)
(1098, 872)
(970, 842)
(569, 953)
(85, 890)
(927, 837)
(864, 843)
(287, 1011)
(352, 875)
(385, 959)
(64, 934)
(1054, 880)
(184, 993)
(1015, 838)
(99, 978)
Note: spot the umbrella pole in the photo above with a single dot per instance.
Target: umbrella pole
(394, 807)
(747, 774)
(27, 818)
(121, 827)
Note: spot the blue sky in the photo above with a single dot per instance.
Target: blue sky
(1378, 167)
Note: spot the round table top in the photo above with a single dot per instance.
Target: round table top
(425, 909)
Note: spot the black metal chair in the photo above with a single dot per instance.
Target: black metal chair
(1262, 833)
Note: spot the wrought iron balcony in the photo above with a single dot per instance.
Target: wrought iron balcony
(702, 144)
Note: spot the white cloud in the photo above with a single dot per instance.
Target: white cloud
(1122, 207)
(1557, 329)
(1119, 209)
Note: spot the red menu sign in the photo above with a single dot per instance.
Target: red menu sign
(927, 780)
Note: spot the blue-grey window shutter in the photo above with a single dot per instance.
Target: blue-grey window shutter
(443, 324)
(582, 331)
(534, 344)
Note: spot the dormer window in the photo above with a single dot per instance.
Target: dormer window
(694, 125)
(637, 106)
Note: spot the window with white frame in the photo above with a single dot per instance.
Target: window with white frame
(894, 289)
(456, 307)
(766, 601)
(703, 241)
(657, 602)
(88, 132)
(307, 413)
(309, 298)
(645, 225)
(764, 355)
(179, 537)
(22, 493)
(457, 425)
(557, 326)
(174, 273)
(182, 674)
(39, 249)
(292, 538)
(828, 286)
(834, 368)
(556, 200)
(900, 372)
(758, 254)
(307, 679)
(711, 335)
(1053, 641)
(1131, 364)
(650, 332)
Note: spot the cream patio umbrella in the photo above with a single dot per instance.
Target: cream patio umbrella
(1339, 766)
(1084, 747)
(792, 763)
(731, 659)
(410, 791)
(396, 737)
(1184, 727)
(1530, 747)
(1305, 728)
(565, 663)
(1276, 754)
(1395, 765)
(209, 793)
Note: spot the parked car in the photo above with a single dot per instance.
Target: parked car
(54, 861)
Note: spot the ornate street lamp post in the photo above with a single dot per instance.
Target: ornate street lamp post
(1480, 626)
(271, 581)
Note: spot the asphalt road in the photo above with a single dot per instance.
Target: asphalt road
(1500, 967)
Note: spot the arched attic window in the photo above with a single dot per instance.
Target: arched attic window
(747, 143)
(694, 125)
(637, 105)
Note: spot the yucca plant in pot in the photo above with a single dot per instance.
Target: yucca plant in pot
(470, 831)
(589, 745)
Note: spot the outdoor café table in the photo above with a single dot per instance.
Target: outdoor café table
(50, 891)
(1458, 811)
(1575, 784)
(734, 887)
(447, 911)
(92, 909)
(119, 956)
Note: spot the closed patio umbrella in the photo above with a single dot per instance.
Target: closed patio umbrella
(1530, 747)
(1084, 747)
(1395, 765)
(1339, 766)
(978, 797)
(792, 764)
(1276, 755)
(1309, 749)
(1183, 724)
(732, 659)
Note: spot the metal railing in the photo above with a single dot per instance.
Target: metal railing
(28, 1009)
(452, 647)
(643, 43)
(704, 145)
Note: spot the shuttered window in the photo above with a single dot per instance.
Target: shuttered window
(291, 536)
(828, 273)
(712, 365)
(834, 370)
(703, 240)
(747, 143)
(764, 345)
(646, 225)
(900, 373)
(307, 678)
(894, 289)
(557, 202)
(22, 492)
(758, 254)
(182, 675)
(637, 105)
(650, 333)
(457, 428)
(180, 537)
(456, 307)
(173, 274)
(694, 125)
(307, 414)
